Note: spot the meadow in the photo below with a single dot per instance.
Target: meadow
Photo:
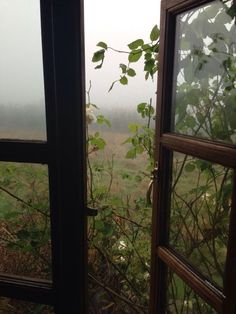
(119, 237)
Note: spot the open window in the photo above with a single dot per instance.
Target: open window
(44, 173)
(193, 260)
(194, 193)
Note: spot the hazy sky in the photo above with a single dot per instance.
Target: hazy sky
(115, 22)
(118, 23)
(21, 74)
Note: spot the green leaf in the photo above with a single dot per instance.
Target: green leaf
(135, 44)
(131, 72)
(155, 48)
(149, 64)
(124, 80)
(99, 225)
(232, 120)
(98, 66)
(148, 56)
(102, 45)
(133, 127)
(135, 55)
(155, 33)
(22, 234)
(200, 117)
(128, 140)
(232, 11)
(98, 142)
(100, 120)
(146, 47)
(190, 167)
(107, 230)
(134, 141)
(123, 67)
(98, 55)
(190, 122)
(141, 107)
(139, 149)
(202, 164)
(131, 154)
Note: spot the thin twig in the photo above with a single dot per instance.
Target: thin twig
(108, 289)
(24, 202)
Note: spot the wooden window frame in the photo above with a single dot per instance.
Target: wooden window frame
(64, 152)
(166, 142)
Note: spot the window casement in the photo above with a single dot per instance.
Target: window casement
(64, 154)
(194, 236)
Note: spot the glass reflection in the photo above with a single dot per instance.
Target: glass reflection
(200, 210)
(22, 103)
(204, 89)
(181, 299)
(25, 240)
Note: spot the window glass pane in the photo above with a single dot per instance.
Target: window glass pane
(22, 104)
(11, 306)
(181, 299)
(25, 245)
(200, 210)
(204, 89)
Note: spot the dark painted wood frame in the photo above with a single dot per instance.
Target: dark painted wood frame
(65, 154)
(166, 143)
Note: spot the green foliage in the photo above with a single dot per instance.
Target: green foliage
(205, 100)
(135, 44)
(135, 55)
(102, 45)
(124, 80)
(200, 194)
(142, 137)
(155, 33)
(138, 48)
(102, 120)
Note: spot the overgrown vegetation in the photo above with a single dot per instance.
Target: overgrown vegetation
(204, 105)
(204, 100)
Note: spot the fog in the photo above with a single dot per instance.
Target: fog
(22, 103)
(118, 23)
(21, 72)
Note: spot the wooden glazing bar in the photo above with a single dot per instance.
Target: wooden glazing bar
(24, 151)
(16, 287)
(230, 268)
(158, 269)
(62, 33)
(178, 6)
(210, 151)
(204, 288)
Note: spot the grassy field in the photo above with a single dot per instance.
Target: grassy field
(120, 236)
